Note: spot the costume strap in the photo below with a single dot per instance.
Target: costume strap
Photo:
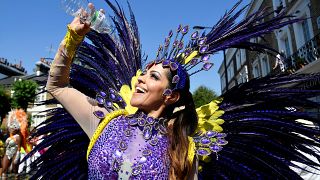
(102, 125)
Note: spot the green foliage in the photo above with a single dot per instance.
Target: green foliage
(24, 93)
(4, 102)
(203, 95)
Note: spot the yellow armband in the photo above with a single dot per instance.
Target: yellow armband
(71, 42)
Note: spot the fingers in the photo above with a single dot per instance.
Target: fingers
(80, 26)
(92, 8)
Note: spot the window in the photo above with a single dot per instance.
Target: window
(287, 46)
(40, 97)
(265, 66)
(256, 70)
(230, 72)
(305, 29)
(238, 59)
(223, 81)
(242, 56)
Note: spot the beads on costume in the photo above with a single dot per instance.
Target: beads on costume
(131, 147)
(102, 125)
(209, 142)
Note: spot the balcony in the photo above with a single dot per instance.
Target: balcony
(304, 56)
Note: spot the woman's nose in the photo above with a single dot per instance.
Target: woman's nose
(141, 79)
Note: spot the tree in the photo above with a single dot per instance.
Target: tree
(203, 95)
(4, 102)
(24, 93)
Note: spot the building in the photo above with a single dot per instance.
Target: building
(300, 43)
(36, 110)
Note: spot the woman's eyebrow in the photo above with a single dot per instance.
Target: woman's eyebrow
(153, 71)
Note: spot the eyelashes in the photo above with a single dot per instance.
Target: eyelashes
(152, 75)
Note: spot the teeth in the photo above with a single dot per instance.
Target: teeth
(140, 89)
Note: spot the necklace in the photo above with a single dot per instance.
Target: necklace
(147, 124)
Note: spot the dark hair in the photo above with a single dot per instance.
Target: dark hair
(185, 124)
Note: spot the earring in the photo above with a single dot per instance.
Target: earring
(167, 92)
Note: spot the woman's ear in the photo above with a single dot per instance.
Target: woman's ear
(170, 99)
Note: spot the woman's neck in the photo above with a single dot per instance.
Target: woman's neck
(155, 113)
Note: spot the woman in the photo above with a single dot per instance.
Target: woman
(153, 141)
(12, 145)
(149, 98)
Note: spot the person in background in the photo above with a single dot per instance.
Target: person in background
(12, 151)
(280, 61)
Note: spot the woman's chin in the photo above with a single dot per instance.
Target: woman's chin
(135, 103)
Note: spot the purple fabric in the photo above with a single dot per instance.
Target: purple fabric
(107, 149)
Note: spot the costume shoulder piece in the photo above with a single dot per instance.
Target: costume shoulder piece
(260, 132)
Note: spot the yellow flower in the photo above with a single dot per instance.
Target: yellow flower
(209, 117)
(191, 149)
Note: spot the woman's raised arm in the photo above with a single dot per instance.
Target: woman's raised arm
(76, 103)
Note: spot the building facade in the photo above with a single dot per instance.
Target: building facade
(298, 42)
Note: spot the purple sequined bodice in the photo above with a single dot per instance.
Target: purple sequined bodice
(131, 147)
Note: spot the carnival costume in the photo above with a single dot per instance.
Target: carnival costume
(12, 147)
(252, 132)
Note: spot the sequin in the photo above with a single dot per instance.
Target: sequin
(203, 152)
(106, 160)
(99, 114)
(146, 152)
(136, 170)
(100, 100)
(147, 132)
(194, 35)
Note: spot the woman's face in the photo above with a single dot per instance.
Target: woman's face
(13, 131)
(148, 94)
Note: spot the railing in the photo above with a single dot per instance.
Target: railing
(308, 53)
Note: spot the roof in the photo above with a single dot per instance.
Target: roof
(8, 81)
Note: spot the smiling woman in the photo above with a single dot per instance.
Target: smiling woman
(150, 87)
(165, 137)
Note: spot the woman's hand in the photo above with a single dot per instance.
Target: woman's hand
(79, 23)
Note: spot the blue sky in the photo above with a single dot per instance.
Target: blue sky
(29, 28)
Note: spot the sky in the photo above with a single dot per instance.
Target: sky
(33, 29)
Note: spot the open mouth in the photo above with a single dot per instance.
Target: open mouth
(140, 90)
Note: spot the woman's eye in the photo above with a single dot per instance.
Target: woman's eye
(154, 76)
